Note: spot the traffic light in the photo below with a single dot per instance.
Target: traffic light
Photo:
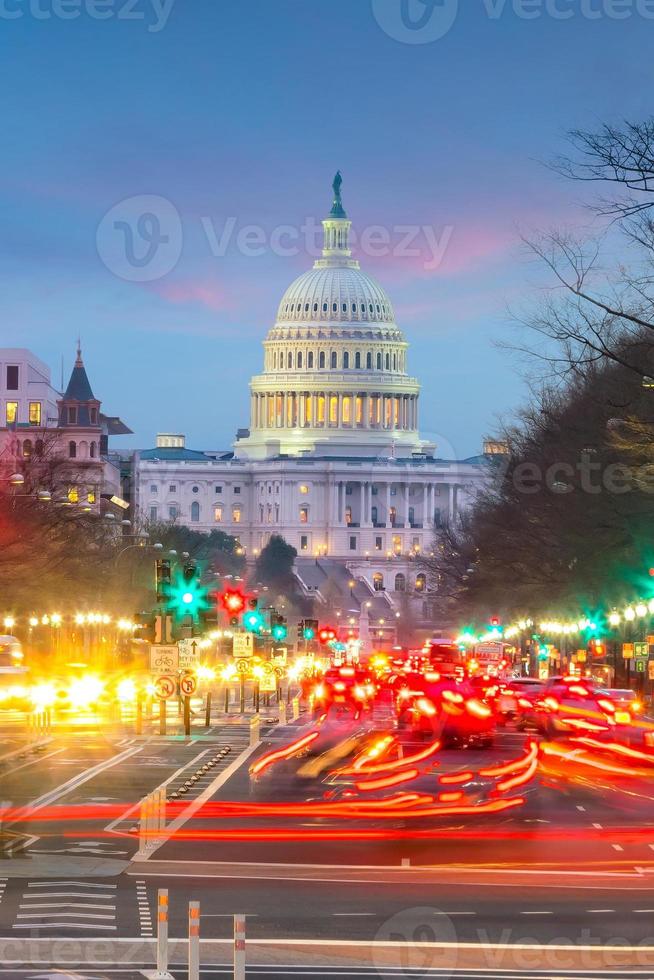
(495, 621)
(187, 597)
(309, 629)
(162, 578)
(278, 627)
(327, 634)
(233, 602)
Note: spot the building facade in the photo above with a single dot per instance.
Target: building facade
(332, 459)
(63, 438)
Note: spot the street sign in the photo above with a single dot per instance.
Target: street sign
(188, 684)
(650, 639)
(651, 670)
(627, 651)
(641, 650)
(164, 687)
(189, 654)
(269, 680)
(164, 658)
(640, 666)
(242, 666)
(582, 656)
(243, 644)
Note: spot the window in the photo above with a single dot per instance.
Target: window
(357, 359)
(321, 359)
(72, 415)
(353, 542)
(219, 489)
(73, 495)
(94, 416)
(421, 582)
(195, 511)
(218, 513)
(346, 360)
(334, 359)
(93, 450)
(172, 488)
(412, 515)
(172, 512)
(153, 488)
(374, 515)
(400, 582)
(388, 362)
(281, 359)
(369, 360)
(393, 515)
(236, 515)
(153, 513)
(348, 515)
(304, 542)
(299, 359)
(304, 515)
(290, 359)
(379, 362)
(310, 359)
(72, 449)
(379, 544)
(378, 582)
(11, 413)
(91, 496)
(38, 447)
(27, 448)
(304, 488)
(12, 377)
(35, 413)
(237, 489)
(195, 489)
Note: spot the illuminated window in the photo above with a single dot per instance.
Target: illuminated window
(347, 410)
(320, 412)
(304, 488)
(379, 544)
(73, 495)
(218, 513)
(35, 413)
(91, 496)
(236, 515)
(421, 582)
(304, 515)
(393, 515)
(378, 582)
(387, 413)
(348, 515)
(333, 410)
(396, 412)
(304, 542)
(27, 448)
(359, 410)
(11, 412)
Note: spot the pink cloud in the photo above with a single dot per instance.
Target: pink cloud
(206, 294)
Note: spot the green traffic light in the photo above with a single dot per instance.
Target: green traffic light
(308, 633)
(253, 621)
(279, 632)
(185, 598)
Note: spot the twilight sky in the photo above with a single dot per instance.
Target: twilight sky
(197, 121)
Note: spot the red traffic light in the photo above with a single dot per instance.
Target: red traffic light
(232, 601)
(495, 621)
(327, 634)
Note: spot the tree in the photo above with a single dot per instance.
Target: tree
(274, 566)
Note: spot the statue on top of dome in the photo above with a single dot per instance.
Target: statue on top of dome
(337, 210)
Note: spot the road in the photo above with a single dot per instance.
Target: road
(574, 866)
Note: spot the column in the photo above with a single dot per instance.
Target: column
(362, 503)
(387, 515)
(365, 410)
(451, 502)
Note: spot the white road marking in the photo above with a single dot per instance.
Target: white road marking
(540, 912)
(597, 826)
(66, 895)
(63, 925)
(349, 914)
(582, 809)
(58, 883)
(617, 847)
(31, 762)
(601, 911)
(63, 915)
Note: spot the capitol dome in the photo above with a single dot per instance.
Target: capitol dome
(335, 379)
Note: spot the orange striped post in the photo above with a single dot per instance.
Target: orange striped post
(239, 947)
(162, 932)
(193, 941)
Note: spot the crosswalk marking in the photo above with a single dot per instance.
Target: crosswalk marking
(43, 907)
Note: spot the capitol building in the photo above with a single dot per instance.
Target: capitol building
(332, 459)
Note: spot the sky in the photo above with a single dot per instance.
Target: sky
(161, 158)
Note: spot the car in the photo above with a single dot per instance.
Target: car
(432, 706)
(344, 688)
(515, 697)
(576, 706)
(625, 699)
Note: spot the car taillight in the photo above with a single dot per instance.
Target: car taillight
(607, 706)
(478, 709)
(453, 696)
(319, 691)
(425, 707)
(622, 718)
(551, 704)
(524, 703)
(636, 707)
(339, 686)
(359, 693)
(583, 692)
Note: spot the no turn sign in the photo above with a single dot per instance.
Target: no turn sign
(188, 684)
(164, 687)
